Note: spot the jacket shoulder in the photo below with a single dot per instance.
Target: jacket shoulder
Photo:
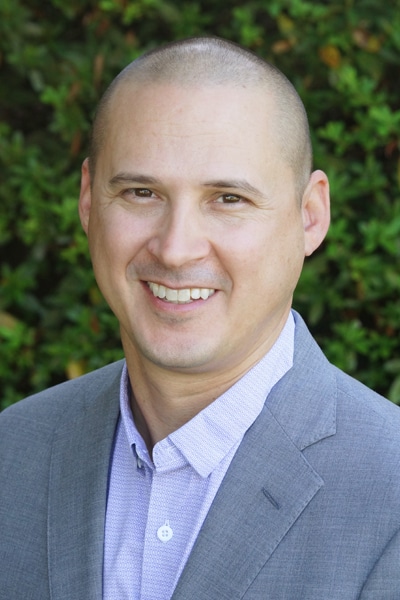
(54, 402)
(360, 402)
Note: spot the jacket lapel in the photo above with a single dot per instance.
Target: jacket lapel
(78, 490)
(269, 482)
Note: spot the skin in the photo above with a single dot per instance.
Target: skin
(190, 191)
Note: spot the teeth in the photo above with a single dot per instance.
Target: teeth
(171, 295)
(182, 296)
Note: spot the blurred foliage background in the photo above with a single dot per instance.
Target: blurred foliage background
(57, 57)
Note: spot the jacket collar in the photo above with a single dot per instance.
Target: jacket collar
(269, 482)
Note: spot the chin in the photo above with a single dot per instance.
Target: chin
(179, 359)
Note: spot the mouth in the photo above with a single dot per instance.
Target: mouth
(181, 296)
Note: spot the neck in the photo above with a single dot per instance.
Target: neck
(163, 400)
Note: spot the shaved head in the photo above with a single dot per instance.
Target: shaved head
(202, 62)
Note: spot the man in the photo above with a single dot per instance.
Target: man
(226, 458)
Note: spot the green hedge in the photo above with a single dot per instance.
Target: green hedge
(56, 57)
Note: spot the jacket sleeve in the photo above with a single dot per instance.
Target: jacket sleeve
(383, 582)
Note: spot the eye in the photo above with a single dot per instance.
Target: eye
(142, 192)
(136, 193)
(229, 199)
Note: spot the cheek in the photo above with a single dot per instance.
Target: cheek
(112, 239)
(269, 257)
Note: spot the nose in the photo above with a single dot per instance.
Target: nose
(181, 237)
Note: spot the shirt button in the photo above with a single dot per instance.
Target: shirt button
(165, 533)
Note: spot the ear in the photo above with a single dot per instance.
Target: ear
(315, 211)
(85, 197)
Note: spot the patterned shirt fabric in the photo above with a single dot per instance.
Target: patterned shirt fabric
(157, 505)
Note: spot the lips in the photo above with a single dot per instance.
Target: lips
(179, 296)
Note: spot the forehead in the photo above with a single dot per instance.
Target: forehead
(176, 106)
(175, 124)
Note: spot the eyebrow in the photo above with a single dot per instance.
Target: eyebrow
(231, 184)
(133, 178)
(235, 184)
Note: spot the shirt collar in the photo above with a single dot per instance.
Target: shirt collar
(206, 439)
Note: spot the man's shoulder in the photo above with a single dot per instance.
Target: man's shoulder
(368, 411)
(326, 380)
(318, 401)
(54, 402)
(357, 394)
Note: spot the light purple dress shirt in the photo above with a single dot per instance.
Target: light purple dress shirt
(157, 506)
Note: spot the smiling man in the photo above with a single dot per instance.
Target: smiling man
(225, 457)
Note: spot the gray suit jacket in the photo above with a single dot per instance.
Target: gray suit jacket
(308, 510)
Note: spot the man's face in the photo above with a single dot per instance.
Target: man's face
(195, 232)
